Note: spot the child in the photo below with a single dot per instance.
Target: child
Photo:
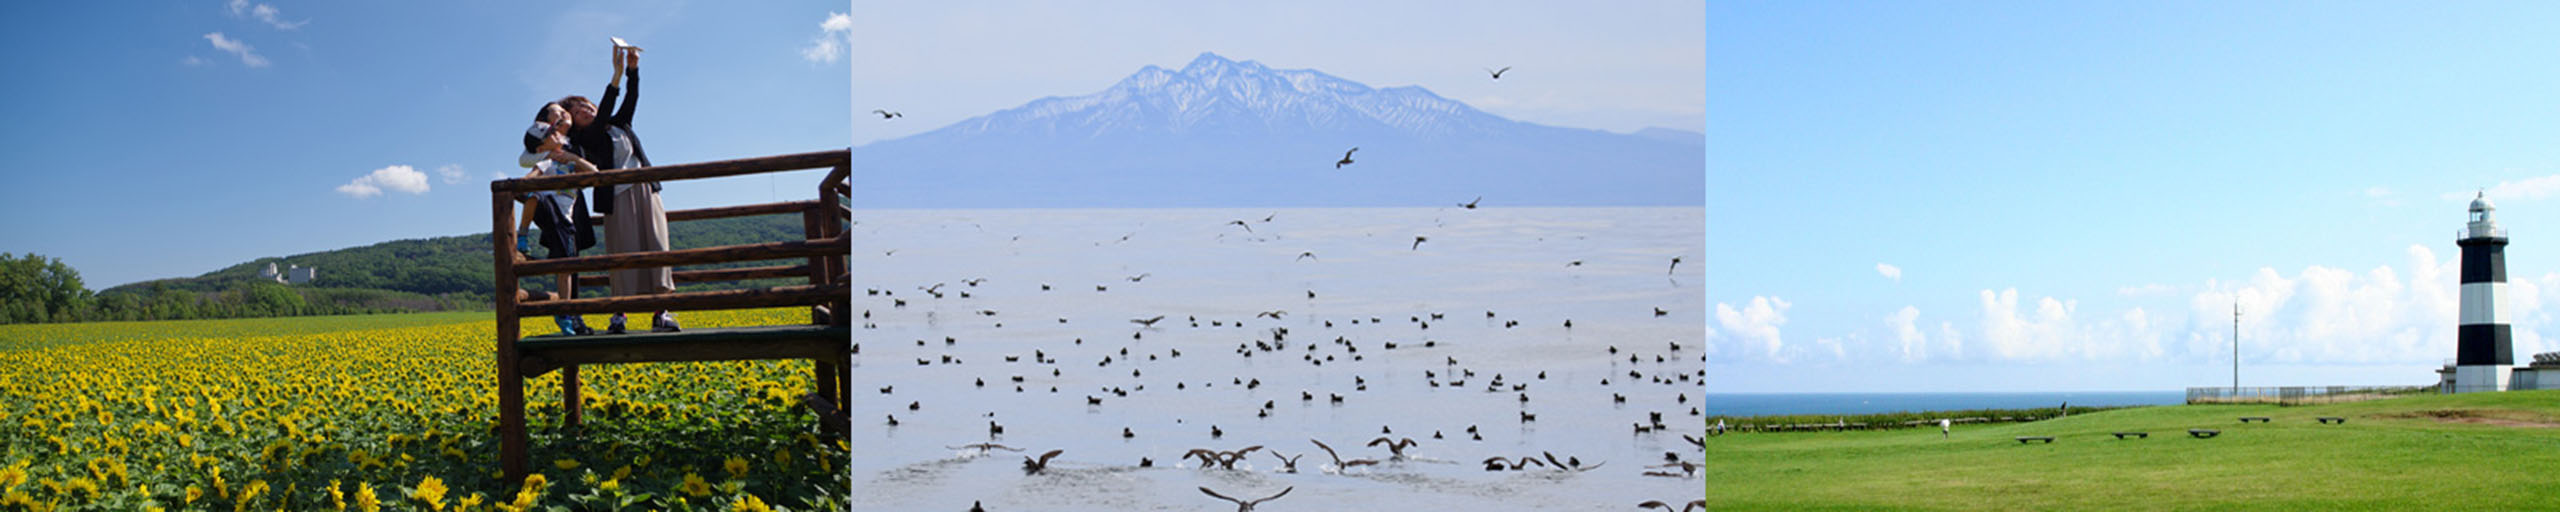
(561, 214)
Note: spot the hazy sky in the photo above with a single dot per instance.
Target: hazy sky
(1617, 66)
(174, 139)
(2040, 196)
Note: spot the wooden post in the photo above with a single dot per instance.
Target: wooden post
(571, 412)
(511, 427)
(824, 371)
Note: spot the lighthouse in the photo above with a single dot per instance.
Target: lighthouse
(2483, 347)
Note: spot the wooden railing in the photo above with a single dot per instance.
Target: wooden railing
(821, 253)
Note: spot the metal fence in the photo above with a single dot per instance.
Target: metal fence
(2298, 395)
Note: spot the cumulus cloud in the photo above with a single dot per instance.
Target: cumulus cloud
(834, 36)
(452, 173)
(398, 178)
(1889, 271)
(1756, 325)
(2042, 334)
(2330, 315)
(248, 56)
(263, 13)
(1915, 345)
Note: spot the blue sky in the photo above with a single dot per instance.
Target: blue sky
(175, 139)
(2040, 196)
(1616, 66)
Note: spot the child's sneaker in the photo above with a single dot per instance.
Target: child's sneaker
(579, 323)
(524, 243)
(566, 329)
(664, 322)
(614, 326)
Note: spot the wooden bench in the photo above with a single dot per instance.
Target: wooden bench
(2203, 433)
(818, 257)
(2024, 439)
(2144, 435)
(2260, 419)
(2324, 420)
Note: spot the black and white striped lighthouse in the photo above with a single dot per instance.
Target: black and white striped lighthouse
(2483, 347)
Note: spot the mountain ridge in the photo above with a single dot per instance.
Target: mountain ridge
(1219, 132)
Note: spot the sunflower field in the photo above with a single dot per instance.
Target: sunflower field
(389, 412)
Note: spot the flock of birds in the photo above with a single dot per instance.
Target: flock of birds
(1276, 338)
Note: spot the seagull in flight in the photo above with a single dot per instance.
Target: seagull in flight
(1472, 204)
(1418, 240)
(1693, 505)
(1497, 73)
(1030, 466)
(1247, 505)
(1346, 158)
(1675, 265)
(884, 114)
(1305, 255)
(1247, 228)
(1149, 322)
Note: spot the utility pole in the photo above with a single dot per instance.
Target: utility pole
(2235, 345)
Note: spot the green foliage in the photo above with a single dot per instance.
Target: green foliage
(430, 274)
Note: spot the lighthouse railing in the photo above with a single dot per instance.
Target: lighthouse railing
(2296, 395)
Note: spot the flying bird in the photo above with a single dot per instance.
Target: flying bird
(1395, 446)
(1338, 463)
(1472, 204)
(1247, 228)
(1030, 466)
(1275, 315)
(1693, 505)
(1346, 158)
(884, 114)
(1247, 505)
(1418, 240)
(1675, 266)
(1305, 255)
(1497, 73)
(1288, 464)
(1149, 322)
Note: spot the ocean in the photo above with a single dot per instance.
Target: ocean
(1766, 404)
(1032, 320)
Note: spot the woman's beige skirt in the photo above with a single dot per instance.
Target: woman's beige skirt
(638, 224)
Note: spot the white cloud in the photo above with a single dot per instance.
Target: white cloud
(452, 173)
(1915, 345)
(835, 34)
(2045, 334)
(2330, 315)
(1890, 271)
(193, 61)
(2528, 189)
(264, 13)
(248, 56)
(1757, 325)
(398, 178)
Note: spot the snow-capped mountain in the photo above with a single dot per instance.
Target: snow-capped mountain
(1224, 133)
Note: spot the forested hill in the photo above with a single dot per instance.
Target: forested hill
(448, 267)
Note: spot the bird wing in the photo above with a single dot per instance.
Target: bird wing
(1380, 440)
(1346, 155)
(1693, 504)
(1587, 469)
(1328, 451)
(1283, 492)
(1214, 494)
(1246, 450)
(1647, 504)
(1551, 459)
(1044, 458)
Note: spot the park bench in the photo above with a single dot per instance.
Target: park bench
(2203, 433)
(2024, 439)
(2144, 435)
(2260, 419)
(2324, 420)
(818, 258)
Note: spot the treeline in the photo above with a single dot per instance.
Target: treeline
(432, 274)
(39, 289)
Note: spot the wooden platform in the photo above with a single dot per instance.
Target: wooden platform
(542, 354)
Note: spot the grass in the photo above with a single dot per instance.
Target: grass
(2482, 451)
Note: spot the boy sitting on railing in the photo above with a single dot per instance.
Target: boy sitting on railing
(561, 214)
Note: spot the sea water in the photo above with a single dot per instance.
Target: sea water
(1607, 270)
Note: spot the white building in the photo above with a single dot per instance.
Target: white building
(301, 274)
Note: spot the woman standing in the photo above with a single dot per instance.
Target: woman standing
(634, 219)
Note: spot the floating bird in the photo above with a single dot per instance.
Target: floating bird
(893, 420)
(1472, 204)
(1497, 73)
(1125, 433)
(1030, 466)
(1418, 240)
(1346, 158)
(1658, 312)
(885, 115)
(1574, 263)
(1247, 505)
(1693, 505)
(975, 507)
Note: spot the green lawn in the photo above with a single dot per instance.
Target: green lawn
(2390, 455)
